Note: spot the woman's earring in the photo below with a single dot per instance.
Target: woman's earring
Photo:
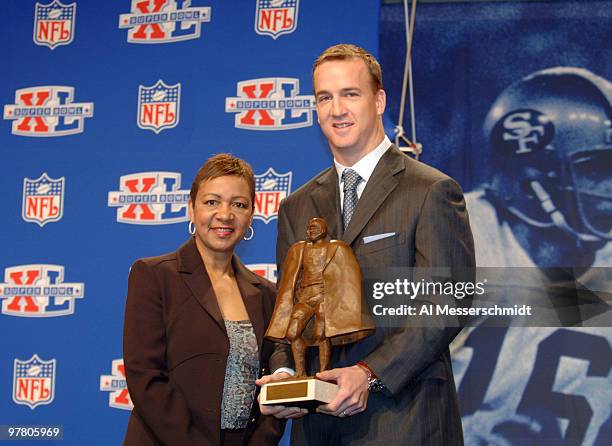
(251, 235)
(191, 228)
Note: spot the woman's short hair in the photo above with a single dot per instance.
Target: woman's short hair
(221, 165)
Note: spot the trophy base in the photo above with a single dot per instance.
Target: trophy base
(308, 393)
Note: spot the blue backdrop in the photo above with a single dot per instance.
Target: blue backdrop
(109, 110)
(138, 147)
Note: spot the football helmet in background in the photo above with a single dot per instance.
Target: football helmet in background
(550, 137)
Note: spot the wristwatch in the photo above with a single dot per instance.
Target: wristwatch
(374, 382)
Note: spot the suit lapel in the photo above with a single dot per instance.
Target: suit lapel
(327, 201)
(252, 296)
(380, 185)
(191, 267)
(195, 276)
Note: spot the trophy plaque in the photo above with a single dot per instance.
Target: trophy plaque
(307, 392)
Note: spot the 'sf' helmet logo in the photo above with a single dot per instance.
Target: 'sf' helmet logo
(523, 131)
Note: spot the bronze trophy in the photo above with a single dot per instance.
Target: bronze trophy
(319, 303)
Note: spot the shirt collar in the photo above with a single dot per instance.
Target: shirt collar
(365, 166)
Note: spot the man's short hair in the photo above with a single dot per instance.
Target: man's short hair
(344, 51)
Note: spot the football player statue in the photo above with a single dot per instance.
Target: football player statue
(319, 300)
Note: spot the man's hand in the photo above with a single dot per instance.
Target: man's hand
(352, 396)
(279, 412)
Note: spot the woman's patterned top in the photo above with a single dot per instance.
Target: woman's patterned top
(240, 375)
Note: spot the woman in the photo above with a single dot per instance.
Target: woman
(194, 325)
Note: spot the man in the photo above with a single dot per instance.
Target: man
(392, 211)
(324, 280)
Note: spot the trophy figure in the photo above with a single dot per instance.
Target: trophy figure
(319, 303)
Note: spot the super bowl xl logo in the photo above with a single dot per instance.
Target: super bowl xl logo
(54, 24)
(276, 17)
(119, 397)
(271, 104)
(47, 111)
(38, 291)
(159, 106)
(150, 198)
(33, 381)
(163, 21)
(265, 270)
(43, 199)
(270, 189)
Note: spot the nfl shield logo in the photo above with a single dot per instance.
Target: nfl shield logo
(43, 199)
(33, 382)
(276, 17)
(158, 106)
(270, 189)
(54, 24)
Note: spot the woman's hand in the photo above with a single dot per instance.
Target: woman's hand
(279, 412)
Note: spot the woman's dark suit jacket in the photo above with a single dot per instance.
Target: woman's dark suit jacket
(175, 350)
